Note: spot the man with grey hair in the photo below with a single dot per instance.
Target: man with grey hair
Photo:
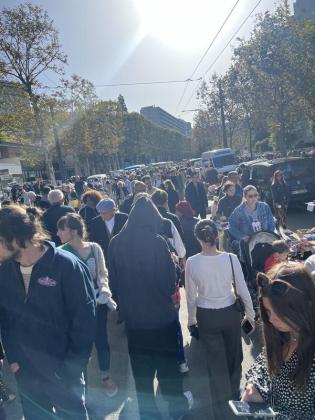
(54, 213)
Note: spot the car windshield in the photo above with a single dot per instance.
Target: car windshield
(225, 160)
(295, 169)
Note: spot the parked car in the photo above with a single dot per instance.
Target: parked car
(299, 174)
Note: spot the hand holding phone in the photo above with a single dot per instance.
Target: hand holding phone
(247, 327)
(249, 409)
(251, 394)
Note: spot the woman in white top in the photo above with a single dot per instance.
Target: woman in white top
(211, 309)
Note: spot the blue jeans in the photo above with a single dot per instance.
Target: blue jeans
(101, 340)
(180, 342)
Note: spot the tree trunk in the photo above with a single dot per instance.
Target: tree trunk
(57, 143)
(87, 166)
(221, 97)
(77, 168)
(40, 134)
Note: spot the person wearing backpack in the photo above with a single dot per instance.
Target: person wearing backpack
(72, 233)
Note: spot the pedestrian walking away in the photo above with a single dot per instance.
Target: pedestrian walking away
(54, 212)
(212, 310)
(110, 222)
(142, 276)
(72, 233)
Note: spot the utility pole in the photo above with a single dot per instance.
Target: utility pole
(221, 99)
(57, 143)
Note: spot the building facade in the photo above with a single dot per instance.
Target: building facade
(162, 118)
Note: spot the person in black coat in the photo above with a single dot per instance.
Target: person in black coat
(108, 224)
(229, 201)
(185, 214)
(173, 197)
(195, 193)
(160, 199)
(54, 213)
(142, 276)
(280, 198)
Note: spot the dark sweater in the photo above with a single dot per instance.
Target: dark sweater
(51, 217)
(279, 192)
(227, 204)
(191, 244)
(170, 216)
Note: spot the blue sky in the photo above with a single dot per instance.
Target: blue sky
(123, 41)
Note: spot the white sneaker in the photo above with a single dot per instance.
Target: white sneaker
(183, 367)
(110, 387)
(190, 399)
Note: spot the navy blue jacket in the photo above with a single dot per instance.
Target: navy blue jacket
(52, 327)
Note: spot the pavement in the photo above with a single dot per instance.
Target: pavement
(124, 404)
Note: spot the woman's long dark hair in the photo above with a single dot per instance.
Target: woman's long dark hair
(291, 291)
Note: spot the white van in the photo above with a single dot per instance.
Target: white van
(97, 180)
(223, 160)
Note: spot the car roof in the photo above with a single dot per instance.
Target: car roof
(271, 162)
(252, 162)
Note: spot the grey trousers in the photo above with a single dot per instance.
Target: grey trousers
(220, 333)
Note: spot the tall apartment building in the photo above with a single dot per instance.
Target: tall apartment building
(304, 10)
(162, 118)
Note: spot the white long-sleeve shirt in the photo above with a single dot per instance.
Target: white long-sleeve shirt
(209, 284)
(177, 242)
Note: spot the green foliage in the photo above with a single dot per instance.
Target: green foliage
(122, 103)
(269, 88)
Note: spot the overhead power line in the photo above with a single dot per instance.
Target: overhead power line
(222, 51)
(155, 82)
(205, 53)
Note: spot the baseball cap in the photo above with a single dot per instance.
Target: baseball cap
(107, 204)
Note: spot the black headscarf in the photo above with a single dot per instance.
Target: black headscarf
(144, 217)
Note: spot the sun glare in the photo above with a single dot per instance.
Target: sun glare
(181, 24)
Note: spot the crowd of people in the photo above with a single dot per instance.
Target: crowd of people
(71, 254)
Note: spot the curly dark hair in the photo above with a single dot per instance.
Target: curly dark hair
(21, 226)
(93, 195)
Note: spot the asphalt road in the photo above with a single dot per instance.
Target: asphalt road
(124, 405)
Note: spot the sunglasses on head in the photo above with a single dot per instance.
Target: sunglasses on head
(278, 287)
